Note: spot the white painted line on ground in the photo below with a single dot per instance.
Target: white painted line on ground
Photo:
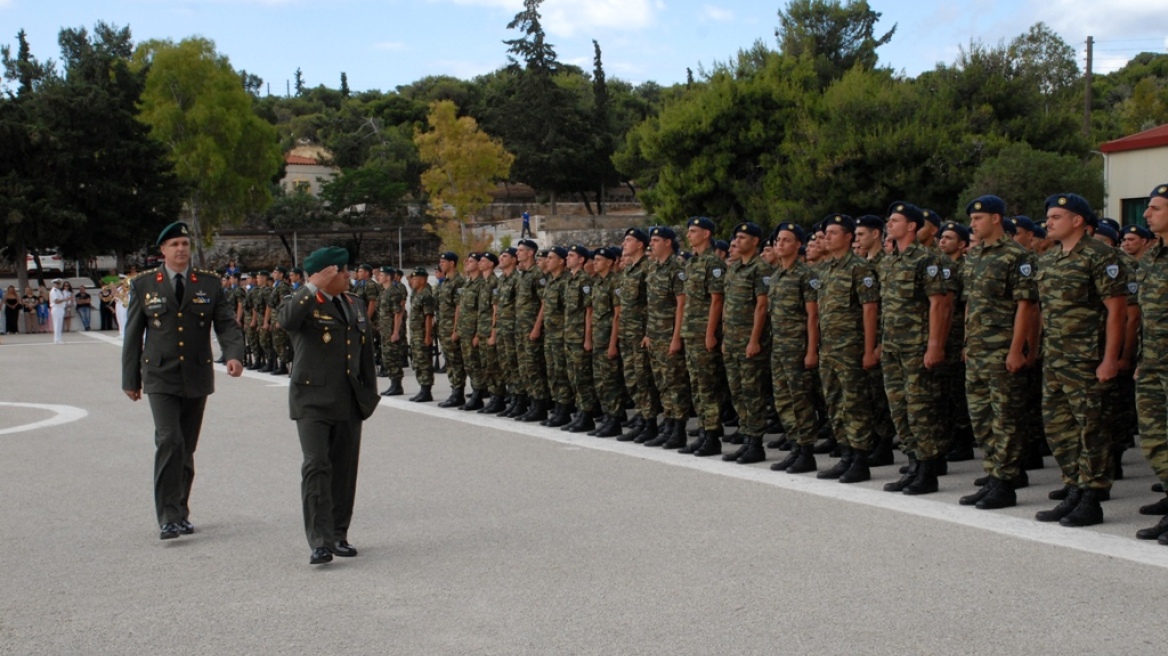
(62, 414)
(1103, 544)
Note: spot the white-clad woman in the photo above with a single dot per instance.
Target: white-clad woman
(121, 303)
(58, 304)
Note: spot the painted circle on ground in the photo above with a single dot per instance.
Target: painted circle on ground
(62, 414)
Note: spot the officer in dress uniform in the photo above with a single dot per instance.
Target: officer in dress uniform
(167, 354)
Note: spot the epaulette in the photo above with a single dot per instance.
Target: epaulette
(205, 272)
(140, 274)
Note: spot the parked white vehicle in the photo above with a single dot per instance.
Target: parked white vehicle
(50, 261)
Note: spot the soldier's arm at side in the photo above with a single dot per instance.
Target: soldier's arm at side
(228, 331)
(754, 347)
(1131, 337)
(713, 321)
(678, 319)
(614, 336)
(132, 346)
(940, 317)
(811, 360)
(1024, 319)
(871, 333)
(1116, 324)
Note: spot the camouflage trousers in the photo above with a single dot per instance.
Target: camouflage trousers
(489, 373)
(391, 352)
(265, 337)
(253, 340)
(746, 377)
(995, 400)
(882, 424)
(455, 371)
(794, 386)
(508, 361)
(669, 375)
(954, 405)
(1152, 400)
(579, 364)
(423, 360)
(914, 400)
(532, 368)
(557, 369)
(607, 381)
(1072, 409)
(847, 393)
(639, 377)
(281, 344)
(471, 361)
(706, 373)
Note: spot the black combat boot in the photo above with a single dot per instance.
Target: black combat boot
(663, 433)
(838, 469)
(456, 399)
(1158, 508)
(634, 430)
(562, 416)
(498, 404)
(382, 372)
(610, 427)
(806, 460)
(537, 412)
(649, 432)
(858, 471)
(711, 445)
(1061, 493)
(282, 370)
(926, 479)
(782, 444)
(983, 491)
(423, 396)
(257, 363)
(677, 437)
(1158, 487)
(475, 402)
(522, 404)
(882, 455)
(908, 475)
(733, 438)
(696, 444)
(395, 388)
(1066, 507)
(754, 451)
(826, 446)
(587, 422)
(1087, 513)
(1154, 532)
(788, 461)
(577, 417)
(1000, 495)
(1117, 464)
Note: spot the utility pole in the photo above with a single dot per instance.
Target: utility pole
(1087, 95)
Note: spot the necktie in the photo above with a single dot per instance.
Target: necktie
(179, 288)
(341, 309)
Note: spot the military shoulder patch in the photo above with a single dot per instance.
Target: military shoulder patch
(681, 276)
(1026, 270)
(717, 273)
(947, 273)
(1133, 287)
(766, 280)
(932, 270)
(543, 281)
(869, 281)
(587, 289)
(1113, 271)
(815, 284)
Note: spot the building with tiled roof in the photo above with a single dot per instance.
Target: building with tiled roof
(1132, 166)
(306, 167)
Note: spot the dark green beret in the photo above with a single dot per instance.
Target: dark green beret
(176, 229)
(298, 271)
(420, 272)
(281, 270)
(265, 273)
(323, 258)
(387, 270)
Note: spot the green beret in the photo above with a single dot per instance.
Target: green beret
(420, 272)
(177, 229)
(323, 258)
(265, 273)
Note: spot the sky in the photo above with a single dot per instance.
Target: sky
(381, 44)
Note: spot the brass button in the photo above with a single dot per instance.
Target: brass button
(181, 358)
(180, 343)
(348, 372)
(349, 357)
(180, 315)
(348, 342)
(180, 329)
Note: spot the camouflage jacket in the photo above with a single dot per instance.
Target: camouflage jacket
(847, 284)
(488, 290)
(994, 277)
(257, 300)
(634, 312)
(603, 306)
(664, 282)
(956, 341)
(1152, 287)
(907, 281)
(529, 286)
(553, 305)
(1072, 288)
(705, 275)
(744, 284)
(468, 308)
(505, 294)
(422, 303)
(577, 292)
(790, 291)
(448, 293)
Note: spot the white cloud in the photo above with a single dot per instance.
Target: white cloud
(395, 46)
(568, 17)
(720, 14)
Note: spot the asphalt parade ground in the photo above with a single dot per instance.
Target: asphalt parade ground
(480, 535)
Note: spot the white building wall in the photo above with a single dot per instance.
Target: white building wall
(1132, 174)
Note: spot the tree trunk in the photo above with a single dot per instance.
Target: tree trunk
(197, 229)
(287, 248)
(600, 200)
(587, 205)
(553, 199)
(633, 189)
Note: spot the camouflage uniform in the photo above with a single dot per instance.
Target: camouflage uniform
(744, 284)
(1119, 405)
(467, 326)
(505, 294)
(1152, 386)
(257, 300)
(240, 298)
(995, 277)
(1073, 287)
(606, 376)
(631, 298)
(882, 426)
(951, 375)
(553, 340)
(846, 285)
(790, 291)
(577, 294)
(422, 304)
(705, 275)
(529, 287)
(488, 354)
(280, 341)
(448, 294)
(664, 282)
(385, 312)
(908, 281)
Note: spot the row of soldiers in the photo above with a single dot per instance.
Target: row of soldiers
(1009, 334)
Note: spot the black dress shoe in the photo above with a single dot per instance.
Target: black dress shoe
(320, 556)
(169, 532)
(344, 549)
(185, 527)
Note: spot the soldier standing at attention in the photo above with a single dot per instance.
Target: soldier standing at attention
(466, 321)
(528, 338)
(280, 341)
(508, 288)
(257, 303)
(1152, 378)
(578, 339)
(630, 318)
(605, 344)
(705, 284)
(1083, 289)
(369, 289)
(553, 333)
(333, 390)
(449, 291)
(959, 440)
(391, 326)
(746, 344)
(849, 317)
(917, 304)
(793, 301)
(870, 239)
(486, 340)
(665, 302)
(423, 306)
(166, 353)
(930, 230)
(999, 279)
